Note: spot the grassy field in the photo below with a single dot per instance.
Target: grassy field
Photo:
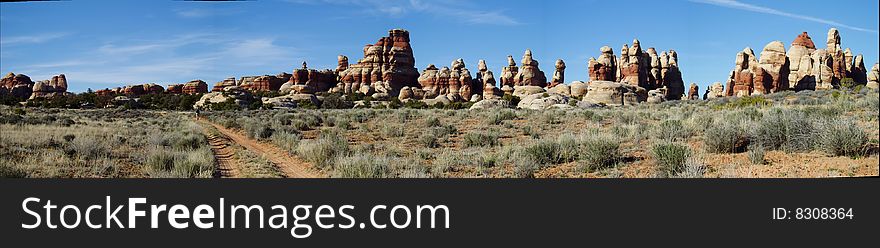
(788, 134)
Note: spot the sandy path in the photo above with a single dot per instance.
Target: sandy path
(223, 154)
(292, 167)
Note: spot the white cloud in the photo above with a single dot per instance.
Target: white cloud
(459, 11)
(31, 39)
(202, 12)
(759, 9)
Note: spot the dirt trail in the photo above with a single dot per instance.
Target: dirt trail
(223, 154)
(292, 167)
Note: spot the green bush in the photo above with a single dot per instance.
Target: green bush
(842, 137)
(482, 139)
(600, 151)
(670, 157)
(756, 154)
(672, 130)
(362, 166)
(726, 137)
(323, 150)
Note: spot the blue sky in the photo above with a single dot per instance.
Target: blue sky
(100, 44)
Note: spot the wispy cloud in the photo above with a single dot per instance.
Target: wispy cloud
(203, 12)
(760, 9)
(457, 10)
(31, 39)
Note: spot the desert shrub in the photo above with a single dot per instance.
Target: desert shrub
(335, 101)
(258, 131)
(513, 100)
(726, 137)
(564, 148)
(389, 131)
(481, 139)
(756, 154)
(600, 151)
(534, 133)
(784, 129)
(525, 167)
(842, 137)
(324, 149)
(694, 167)
(429, 140)
(500, 116)
(362, 166)
(69, 137)
(286, 140)
(672, 130)
(670, 157)
(179, 164)
(432, 121)
(189, 141)
(89, 148)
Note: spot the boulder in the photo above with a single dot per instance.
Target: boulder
(874, 77)
(476, 98)
(614, 94)
(302, 89)
(542, 101)
(491, 104)
(561, 89)
(657, 95)
(522, 91)
(405, 93)
(578, 89)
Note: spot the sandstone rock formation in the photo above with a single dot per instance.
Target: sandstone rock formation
(776, 65)
(694, 92)
(219, 86)
(195, 87)
(446, 81)
(485, 82)
(342, 63)
(509, 72)
(174, 89)
(646, 69)
(558, 75)
(390, 60)
(716, 90)
(816, 69)
(746, 75)
(318, 80)
(529, 74)
(605, 68)
(19, 86)
(57, 86)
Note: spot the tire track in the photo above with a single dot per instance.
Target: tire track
(292, 167)
(223, 155)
